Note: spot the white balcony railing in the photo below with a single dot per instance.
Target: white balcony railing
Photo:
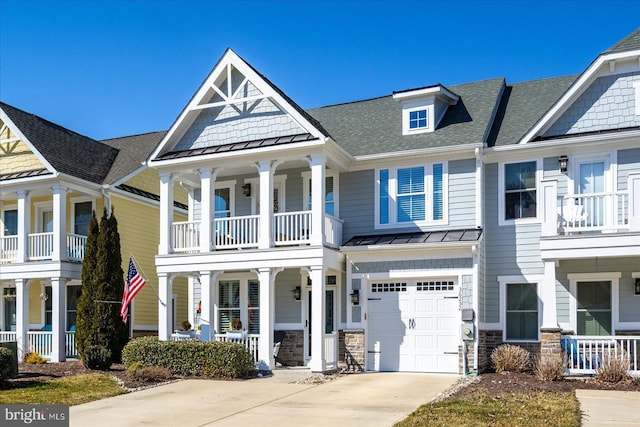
(585, 354)
(76, 245)
(185, 236)
(8, 249)
(332, 231)
(292, 227)
(250, 341)
(8, 336)
(331, 350)
(236, 232)
(594, 212)
(40, 246)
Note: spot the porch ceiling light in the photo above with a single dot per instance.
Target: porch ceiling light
(636, 290)
(355, 297)
(296, 293)
(563, 162)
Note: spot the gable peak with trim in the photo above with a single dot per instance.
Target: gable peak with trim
(236, 107)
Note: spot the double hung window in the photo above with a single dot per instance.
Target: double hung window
(520, 195)
(522, 312)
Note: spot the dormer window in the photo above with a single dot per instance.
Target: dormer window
(422, 109)
(418, 119)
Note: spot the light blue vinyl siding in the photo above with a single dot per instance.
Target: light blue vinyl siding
(287, 309)
(503, 256)
(462, 194)
(357, 203)
(628, 162)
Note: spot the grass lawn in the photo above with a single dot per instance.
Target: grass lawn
(523, 410)
(71, 390)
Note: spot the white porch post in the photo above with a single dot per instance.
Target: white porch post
(548, 296)
(165, 309)
(166, 213)
(549, 191)
(317, 198)
(265, 237)
(24, 225)
(22, 315)
(58, 306)
(633, 186)
(59, 223)
(318, 362)
(266, 277)
(207, 208)
(209, 304)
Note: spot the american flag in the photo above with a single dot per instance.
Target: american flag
(132, 286)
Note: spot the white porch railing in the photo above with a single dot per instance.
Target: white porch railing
(8, 249)
(76, 245)
(586, 353)
(292, 228)
(70, 344)
(332, 231)
(40, 246)
(236, 232)
(41, 342)
(594, 212)
(331, 350)
(250, 341)
(185, 236)
(8, 336)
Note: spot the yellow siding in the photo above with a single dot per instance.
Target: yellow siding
(16, 156)
(149, 180)
(139, 228)
(35, 303)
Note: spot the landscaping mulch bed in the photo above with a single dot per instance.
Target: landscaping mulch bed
(496, 385)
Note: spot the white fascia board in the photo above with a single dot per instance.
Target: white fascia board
(605, 245)
(574, 91)
(24, 139)
(440, 250)
(80, 185)
(44, 269)
(29, 183)
(560, 145)
(435, 91)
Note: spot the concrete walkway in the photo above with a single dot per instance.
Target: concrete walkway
(609, 408)
(371, 399)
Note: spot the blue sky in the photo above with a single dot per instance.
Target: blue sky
(115, 68)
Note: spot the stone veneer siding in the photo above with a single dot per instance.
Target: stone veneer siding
(291, 351)
(351, 350)
(470, 356)
(489, 340)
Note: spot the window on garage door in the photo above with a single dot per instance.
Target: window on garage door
(522, 312)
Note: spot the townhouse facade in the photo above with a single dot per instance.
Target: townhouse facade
(410, 232)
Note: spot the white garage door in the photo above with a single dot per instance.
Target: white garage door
(413, 326)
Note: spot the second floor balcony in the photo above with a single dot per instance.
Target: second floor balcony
(40, 247)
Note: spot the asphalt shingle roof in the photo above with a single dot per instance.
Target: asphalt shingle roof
(631, 42)
(522, 105)
(374, 126)
(67, 151)
(133, 150)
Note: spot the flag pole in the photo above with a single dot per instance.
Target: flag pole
(144, 276)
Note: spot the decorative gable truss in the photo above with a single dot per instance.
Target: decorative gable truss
(18, 157)
(235, 104)
(605, 97)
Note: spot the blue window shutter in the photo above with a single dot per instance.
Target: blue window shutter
(438, 199)
(384, 196)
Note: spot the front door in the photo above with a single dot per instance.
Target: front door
(591, 181)
(329, 320)
(594, 308)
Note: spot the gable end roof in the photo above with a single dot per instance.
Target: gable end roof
(631, 42)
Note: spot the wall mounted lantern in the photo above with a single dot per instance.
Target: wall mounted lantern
(636, 288)
(355, 297)
(246, 190)
(296, 293)
(563, 162)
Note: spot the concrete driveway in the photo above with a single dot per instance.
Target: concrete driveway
(371, 399)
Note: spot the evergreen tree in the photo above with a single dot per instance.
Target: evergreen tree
(86, 302)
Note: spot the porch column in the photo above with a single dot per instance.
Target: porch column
(59, 223)
(318, 362)
(548, 296)
(166, 213)
(58, 321)
(317, 198)
(24, 225)
(549, 191)
(165, 309)
(266, 277)
(633, 186)
(265, 237)
(22, 315)
(207, 208)
(209, 299)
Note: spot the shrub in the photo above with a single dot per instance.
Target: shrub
(213, 359)
(7, 361)
(549, 368)
(510, 358)
(148, 373)
(613, 369)
(96, 357)
(34, 358)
